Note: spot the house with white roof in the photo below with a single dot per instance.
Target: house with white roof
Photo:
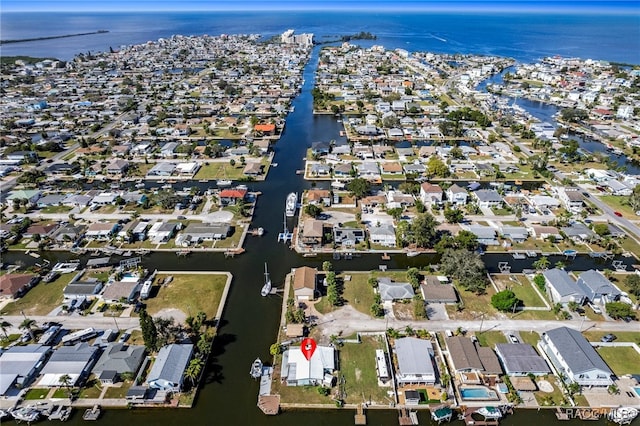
(298, 371)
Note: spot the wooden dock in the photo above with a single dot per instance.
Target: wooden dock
(407, 417)
(92, 413)
(269, 404)
(385, 256)
(360, 418)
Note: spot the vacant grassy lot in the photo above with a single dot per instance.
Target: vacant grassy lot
(41, 299)
(622, 359)
(220, 170)
(118, 392)
(619, 204)
(358, 366)
(36, 393)
(474, 305)
(358, 292)
(521, 286)
(530, 337)
(190, 293)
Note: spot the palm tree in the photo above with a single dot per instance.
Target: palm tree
(194, 369)
(542, 263)
(65, 380)
(4, 325)
(28, 324)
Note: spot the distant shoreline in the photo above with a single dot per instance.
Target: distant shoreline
(22, 40)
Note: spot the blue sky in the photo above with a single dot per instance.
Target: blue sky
(248, 5)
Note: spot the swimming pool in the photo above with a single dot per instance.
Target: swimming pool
(636, 389)
(478, 393)
(502, 388)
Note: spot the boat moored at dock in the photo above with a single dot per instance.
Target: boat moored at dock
(292, 204)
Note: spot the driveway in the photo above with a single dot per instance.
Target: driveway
(437, 312)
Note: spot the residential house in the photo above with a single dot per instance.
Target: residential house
(253, 168)
(517, 234)
(117, 167)
(312, 232)
(342, 170)
(457, 195)
(398, 199)
(122, 291)
(416, 169)
(561, 288)
(44, 230)
(434, 290)
(391, 168)
(383, 234)
(319, 197)
(390, 291)
(415, 361)
(578, 232)
(488, 198)
(13, 286)
(597, 287)
(74, 361)
(368, 169)
(68, 232)
(104, 199)
(571, 198)
(521, 359)
(232, 196)
(317, 370)
(167, 372)
(101, 231)
(320, 148)
(168, 149)
(304, 283)
(543, 232)
(50, 200)
(186, 169)
(195, 233)
(79, 288)
(162, 169)
(485, 235)
(467, 357)
(348, 237)
(19, 366)
(161, 232)
(573, 357)
(430, 194)
(32, 195)
(118, 358)
(319, 169)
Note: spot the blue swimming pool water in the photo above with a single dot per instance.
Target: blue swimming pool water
(477, 393)
(502, 388)
(637, 390)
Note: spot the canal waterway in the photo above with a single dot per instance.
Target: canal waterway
(250, 322)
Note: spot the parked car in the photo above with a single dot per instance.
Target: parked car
(513, 339)
(608, 338)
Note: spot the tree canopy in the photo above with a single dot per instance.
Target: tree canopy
(504, 300)
(359, 187)
(467, 267)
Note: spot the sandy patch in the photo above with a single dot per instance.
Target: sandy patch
(545, 386)
(176, 314)
(358, 374)
(220, 216)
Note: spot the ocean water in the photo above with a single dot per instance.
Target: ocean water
(523, 36)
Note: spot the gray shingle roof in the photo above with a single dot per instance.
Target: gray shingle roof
(594, 284)
(120, 358)
(393, 291)
(562, 282)
(521, 358)
(576, 351)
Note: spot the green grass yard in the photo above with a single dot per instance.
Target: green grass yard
(41, 299)
(621, 359)
(189, 293)
(358, 366)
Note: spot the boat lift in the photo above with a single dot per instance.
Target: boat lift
(619, 266)
(285, 235)
(504, 267)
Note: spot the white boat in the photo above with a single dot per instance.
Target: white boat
(292, 204)
(26, 414)
(623, 415)
(266, 288)
(139, 185)
(412, 253)
(223, 182)
(490, 412)
(337, 184)
(256, 369)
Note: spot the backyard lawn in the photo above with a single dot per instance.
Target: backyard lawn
(220, 170)
(189, 293)
(358, 366)
(521, 286)
(474, 305)
(41, 299)
(621, 359)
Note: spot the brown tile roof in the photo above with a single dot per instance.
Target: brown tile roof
(489, 360)
(463, 354)
(304, 277)
(11, 284)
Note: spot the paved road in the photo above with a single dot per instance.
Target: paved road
(76, 322)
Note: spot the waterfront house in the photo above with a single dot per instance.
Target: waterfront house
(457, 195)
(161, 169)
(186, 169)
(398, 199)
(561, 288)
(117, 167)
(320, 148)
(521, 359)
(68, 232)
(74, 361)
(488, 197)
(597, 287)
(383, 234)
(122, 291)
(304, 283)
(430, 194)
(101, 231)
(79, 288)
(578, 232)
(15, 285)
(434, 290)
(298, 371)
(167, 372)
(319, 169)
(348, 237)
(19, 366)
(161, 232)
(319, 197)
(118, 358)
(415, 361)
(517, 234)
(342, 170)
(368, 169)
(230, 197)
(485, 235)
(573, 357)
(390, 291)
(415, 169)
(312, 232)
(195, 233)
(44, 230)
(542, 232)
(472, 362)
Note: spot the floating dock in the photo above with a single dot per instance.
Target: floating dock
(92, 413)
(360, 418)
